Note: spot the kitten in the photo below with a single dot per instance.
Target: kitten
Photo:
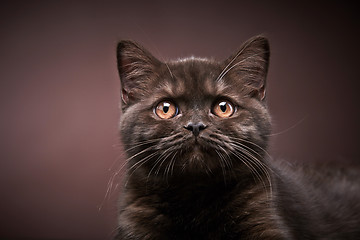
(196, 133)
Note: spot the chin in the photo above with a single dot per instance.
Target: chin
(199, 160)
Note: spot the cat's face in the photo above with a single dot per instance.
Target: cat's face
(193, 115)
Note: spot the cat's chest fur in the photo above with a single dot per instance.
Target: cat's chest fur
(201, 210)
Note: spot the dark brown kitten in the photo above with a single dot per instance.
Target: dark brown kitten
(196, 132)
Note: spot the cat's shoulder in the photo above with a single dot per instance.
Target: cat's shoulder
(319, 168)
(331, 177)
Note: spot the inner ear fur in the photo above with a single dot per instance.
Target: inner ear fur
(250, 65)
(136, 66)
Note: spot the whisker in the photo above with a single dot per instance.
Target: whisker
(262, 163)
(168, 167)
(252, 143)
(289, 128)
(222, 164)
(107, 193)
(246, 154)
(133, 156)
(243, 158)
(139, 163)
(173, 165)
(238, 63)
(171, 74)
(152, 147)
(141, 143)
(117, 172)
(254, 169)
(128, 150)
(232, 60)
(157, 161)
(161, 163)
(259, 164)
(229, 164)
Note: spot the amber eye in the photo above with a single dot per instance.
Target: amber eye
(166, 110)
(223, 109)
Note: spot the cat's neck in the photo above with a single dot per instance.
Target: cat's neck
(195, 185)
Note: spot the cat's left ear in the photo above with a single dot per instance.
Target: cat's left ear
(136, 67)
(250, 65)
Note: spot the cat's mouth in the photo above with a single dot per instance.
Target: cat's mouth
(196, 144)
(197, 152)
(197, 155)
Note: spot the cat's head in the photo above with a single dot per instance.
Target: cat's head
(194, 115)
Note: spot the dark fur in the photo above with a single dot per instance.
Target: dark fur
(221, 184)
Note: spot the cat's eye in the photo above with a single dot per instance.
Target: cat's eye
(166, 110)
(223, 109)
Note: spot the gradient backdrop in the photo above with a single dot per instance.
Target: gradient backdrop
(59, 92)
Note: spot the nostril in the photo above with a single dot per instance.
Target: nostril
(202, 126)
(189, 127)
(195, 127)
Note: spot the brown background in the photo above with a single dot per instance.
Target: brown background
(60, 93)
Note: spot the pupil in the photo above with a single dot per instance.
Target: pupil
(223, 107)
(165, 109)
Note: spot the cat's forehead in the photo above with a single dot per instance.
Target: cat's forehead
(194, 76)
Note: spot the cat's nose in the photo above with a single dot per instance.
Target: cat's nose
(195, 127)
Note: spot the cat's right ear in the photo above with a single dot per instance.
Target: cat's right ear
(136, 66)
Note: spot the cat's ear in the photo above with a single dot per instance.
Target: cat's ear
(250, 65)
(136, 67)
